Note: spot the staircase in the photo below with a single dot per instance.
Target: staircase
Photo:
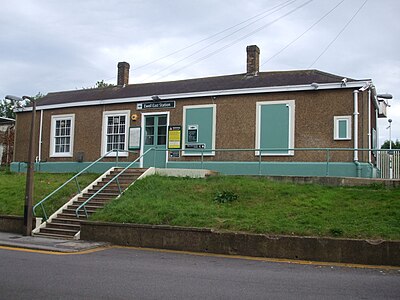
(64, 224)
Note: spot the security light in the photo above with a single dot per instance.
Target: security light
(385, 96)
(13, 98)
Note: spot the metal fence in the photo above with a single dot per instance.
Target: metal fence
(383, 164)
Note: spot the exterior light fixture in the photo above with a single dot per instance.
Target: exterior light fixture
(155, 98)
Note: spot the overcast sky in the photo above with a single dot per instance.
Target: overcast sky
(52, 45)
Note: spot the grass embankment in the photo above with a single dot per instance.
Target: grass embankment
(12, 191)
(262, 207)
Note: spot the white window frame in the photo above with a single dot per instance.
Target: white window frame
(214, 129)
(54, 120)
(292, 107)
(336, 128)
(114, 113)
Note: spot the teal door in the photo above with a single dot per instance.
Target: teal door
(275, 128)
(155, 136)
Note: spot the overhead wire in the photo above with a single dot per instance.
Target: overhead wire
(337, 36)
(270, 12)
(239, 39)
(301, 35)
(282, 5)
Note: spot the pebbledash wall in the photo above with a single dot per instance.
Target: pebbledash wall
(224, 122)
(274, 115)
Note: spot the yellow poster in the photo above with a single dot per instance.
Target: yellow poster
(174, 137)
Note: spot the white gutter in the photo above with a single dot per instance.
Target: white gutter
(355, 93)
(274, 89)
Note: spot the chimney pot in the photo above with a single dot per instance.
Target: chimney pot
(123, 73)
(253, 60)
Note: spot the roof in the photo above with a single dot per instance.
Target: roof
(6, 121)
(227, 82)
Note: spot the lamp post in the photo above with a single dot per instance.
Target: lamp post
(28, 214)
(390, 150)
(387, 97)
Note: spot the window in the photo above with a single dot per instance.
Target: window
(115, 131)
(275, 127)
(62, 135)
(342, 128)
(199, 129)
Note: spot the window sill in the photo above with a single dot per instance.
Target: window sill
(62, 155)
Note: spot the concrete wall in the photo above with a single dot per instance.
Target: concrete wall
(258, 245)
(13, 224)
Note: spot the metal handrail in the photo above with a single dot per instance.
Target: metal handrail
(40, 203)
(108, 183)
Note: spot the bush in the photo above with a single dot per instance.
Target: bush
(225, 197)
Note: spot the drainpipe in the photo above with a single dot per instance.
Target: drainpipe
(40, 136)
(369, 126)
(355, 93)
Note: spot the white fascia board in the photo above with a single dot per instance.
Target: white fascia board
(259, 90)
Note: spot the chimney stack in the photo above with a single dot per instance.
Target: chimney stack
(123, 73)
(253, 60)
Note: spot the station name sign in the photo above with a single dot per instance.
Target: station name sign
(155, 105)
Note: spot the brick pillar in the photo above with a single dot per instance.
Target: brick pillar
(253, 60)
(123, 73)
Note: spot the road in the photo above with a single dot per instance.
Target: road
(127, 273)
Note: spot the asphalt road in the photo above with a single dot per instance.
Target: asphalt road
(125, 273)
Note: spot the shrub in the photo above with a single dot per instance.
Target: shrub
(225, 197)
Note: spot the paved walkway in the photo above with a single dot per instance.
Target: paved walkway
(46, 244)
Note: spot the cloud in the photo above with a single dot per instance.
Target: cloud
(51, 45)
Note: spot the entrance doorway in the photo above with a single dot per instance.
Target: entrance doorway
(155, 136)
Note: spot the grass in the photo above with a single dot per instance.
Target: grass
(262, 207)
(12, 191)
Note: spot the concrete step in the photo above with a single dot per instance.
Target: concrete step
(59, 231)
(74, 221)
(54, 236)
(102, 195)
(90, 205)
(71, 211)
(63, 225)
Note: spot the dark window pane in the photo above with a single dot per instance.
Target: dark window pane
(162, 120)
(149, 140)
(161, 140)
(150, 121)
(162, 130)
(149, 130)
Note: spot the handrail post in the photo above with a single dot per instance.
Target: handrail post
(44, 212)
(259, 162)
(327, 161)
(119, 186)
(202, 158)
(154, 157)
(77, 185)
(116, 159)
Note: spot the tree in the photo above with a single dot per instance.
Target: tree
(100, 85)
(395, 145)
(7, 106)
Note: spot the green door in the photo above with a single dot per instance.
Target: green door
(275, 128)
(155, 136)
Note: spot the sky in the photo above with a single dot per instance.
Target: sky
(52, 45)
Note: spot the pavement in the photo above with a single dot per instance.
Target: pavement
(47, 244)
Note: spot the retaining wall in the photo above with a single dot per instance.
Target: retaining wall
(258, 245)
(14, 224)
